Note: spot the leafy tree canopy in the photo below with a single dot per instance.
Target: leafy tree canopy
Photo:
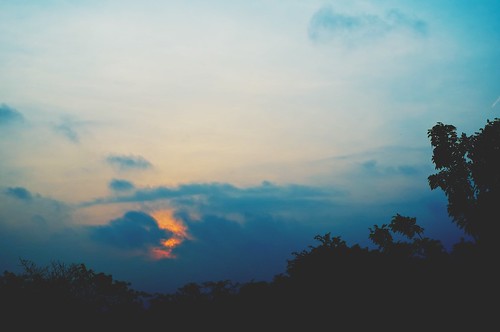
(469, 174)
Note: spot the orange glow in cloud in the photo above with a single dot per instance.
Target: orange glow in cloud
(167, 221)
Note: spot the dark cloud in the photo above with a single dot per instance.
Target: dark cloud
(24, 195)
(258, 248)
(327, 24)
(32, 216)
(19, 193)
(265, 198)
(128, 162)
(269, 198)
(121, 185)
(258, 236)
(135, 230)
(9, 115)
(373, 167)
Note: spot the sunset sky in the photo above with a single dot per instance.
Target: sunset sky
(167, 142)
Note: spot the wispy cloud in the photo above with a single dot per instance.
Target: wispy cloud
(67, 128)
(373, 167)
(19, 193)
(328, 24)
(124, 162)
(9, 115)
(121, 185)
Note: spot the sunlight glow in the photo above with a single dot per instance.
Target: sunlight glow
(167, 221)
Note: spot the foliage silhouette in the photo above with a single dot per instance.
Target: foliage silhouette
(469, 175)
(59, 293)
(419, 246)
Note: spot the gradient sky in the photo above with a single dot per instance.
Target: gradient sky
(167, 142)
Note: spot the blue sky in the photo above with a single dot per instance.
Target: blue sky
(168, 142)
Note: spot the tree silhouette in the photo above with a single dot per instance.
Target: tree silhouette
(58, 293)
(416, 247)
(469, 175)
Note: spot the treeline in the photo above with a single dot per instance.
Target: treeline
(411, 281)
(407, 281)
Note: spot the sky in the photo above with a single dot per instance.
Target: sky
(167, 142)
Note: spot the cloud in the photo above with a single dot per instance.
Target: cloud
(9, 115)
(373, 167)
(128, 162)
(399, 20)
(19, 193)
(66, 128)
(226, 198)
(369, 165)
(121, 185)
(221, 217)
(408, 170)
(34, 215)
(226, 248)
(135, 230)
(387, 160)
(327, 24)
(70, 128)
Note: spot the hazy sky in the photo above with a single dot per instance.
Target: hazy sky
(166, 142)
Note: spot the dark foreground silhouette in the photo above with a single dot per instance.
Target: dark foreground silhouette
(401, 285)
(406, 282)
